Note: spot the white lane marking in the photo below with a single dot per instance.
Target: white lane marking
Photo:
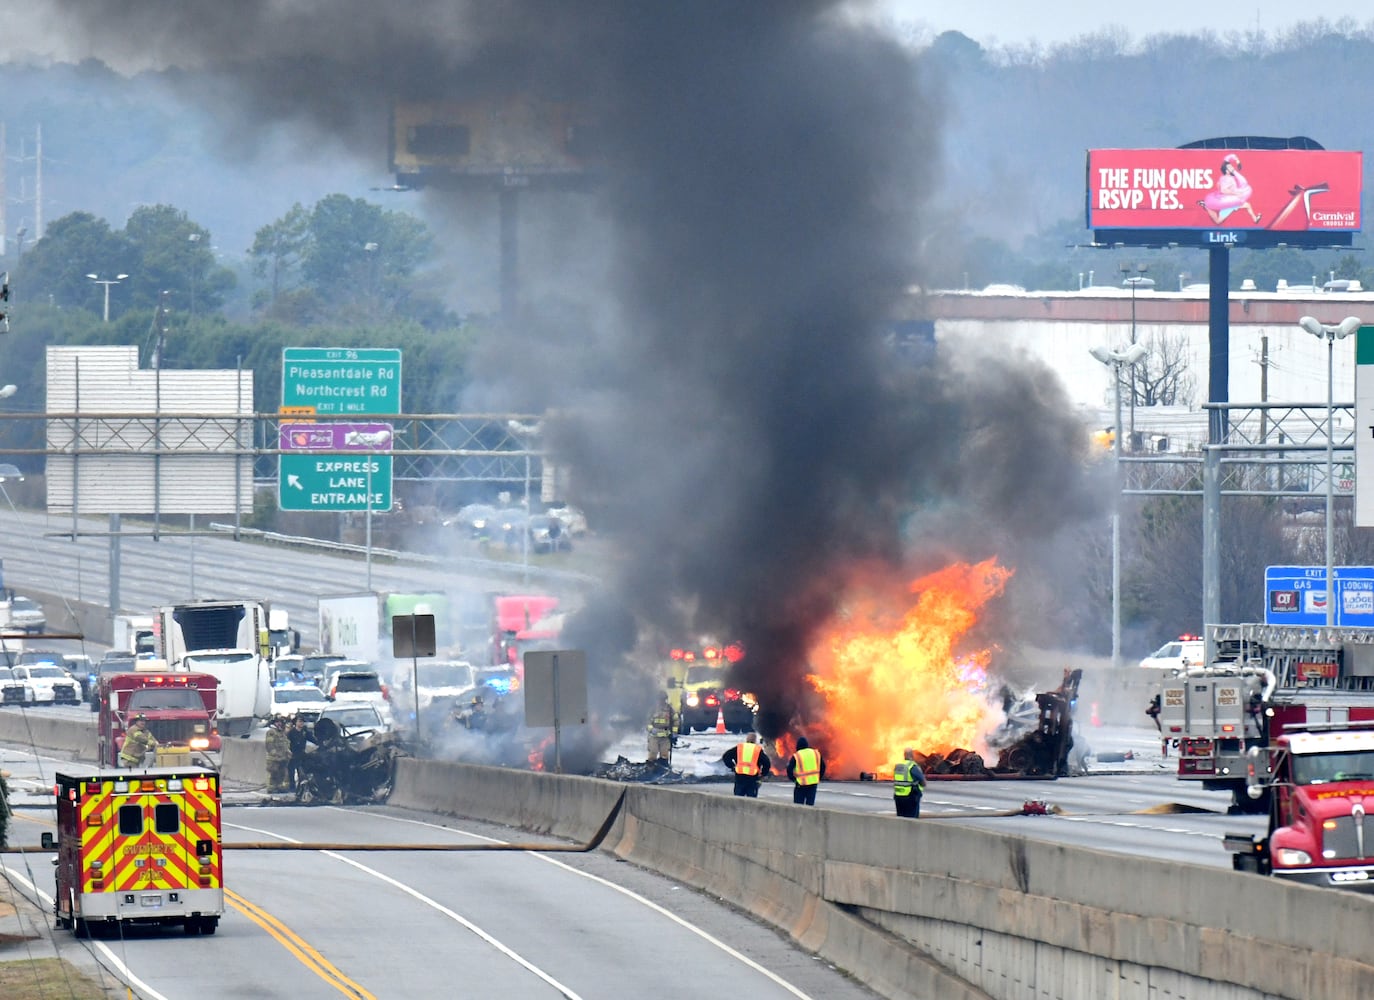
(1139, 826)
(122, 970)
(503, 949)
(699, 932)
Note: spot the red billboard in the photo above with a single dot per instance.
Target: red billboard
(1279, 190)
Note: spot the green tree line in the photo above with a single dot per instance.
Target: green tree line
(341, 273)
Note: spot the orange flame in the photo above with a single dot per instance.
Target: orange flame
(893, 676)
(537, 753)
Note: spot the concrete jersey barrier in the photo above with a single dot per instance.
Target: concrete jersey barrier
(933, 909)
(914, 909)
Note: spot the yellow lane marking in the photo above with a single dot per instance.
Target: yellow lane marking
(32, 819)
(293, 943)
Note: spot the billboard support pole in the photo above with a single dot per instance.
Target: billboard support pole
(509, 199)
(1218, 337)
(1218, 391)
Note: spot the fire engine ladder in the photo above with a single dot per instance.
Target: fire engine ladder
(1281, 648)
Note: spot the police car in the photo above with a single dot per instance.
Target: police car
(1185, 651)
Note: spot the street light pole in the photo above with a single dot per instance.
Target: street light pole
(1330, 334)
(1134, 280)
(107, 282)
(1114, 360)
(370, 249)
(193, 239)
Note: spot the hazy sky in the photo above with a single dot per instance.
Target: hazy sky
(1015, 22)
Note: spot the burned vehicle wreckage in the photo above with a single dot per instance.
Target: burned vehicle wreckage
(1035, 741)
(348, 767)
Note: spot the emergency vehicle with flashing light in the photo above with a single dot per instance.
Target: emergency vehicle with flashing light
(1263, 681)
(1181, 653)
(1317, 782)
(699, 691)
(180, 708)
(137, 847)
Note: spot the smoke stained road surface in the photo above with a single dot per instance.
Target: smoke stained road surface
(713, 322)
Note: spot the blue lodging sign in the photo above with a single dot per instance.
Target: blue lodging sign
(1296, 595)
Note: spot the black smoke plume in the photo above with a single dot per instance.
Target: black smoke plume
(734, 410)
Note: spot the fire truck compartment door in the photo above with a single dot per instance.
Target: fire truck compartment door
(1229, 701)
(1173, 708)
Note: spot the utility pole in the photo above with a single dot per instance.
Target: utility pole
(4, 193)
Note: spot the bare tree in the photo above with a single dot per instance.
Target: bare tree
(1162, 585)
(1164, 377)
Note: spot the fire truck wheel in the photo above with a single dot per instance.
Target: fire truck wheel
(81, 929)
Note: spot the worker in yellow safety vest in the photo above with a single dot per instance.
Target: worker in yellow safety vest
(908, 785)
(661, 733)
(806, 769)
(750, 764)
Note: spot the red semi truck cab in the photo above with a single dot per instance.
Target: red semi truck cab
(521, 622)
(1320, 785)
(180, 708)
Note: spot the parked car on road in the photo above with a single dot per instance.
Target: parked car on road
(27, 615)
(573, 520)
(15, 690)
(1185, 651)
(356, 720)
(547, 534)
(309, 668)
(442, 683)
(80, 666)
(113, 662)
(303, 699)
(51, 684)
(353, 681)
(474, 520)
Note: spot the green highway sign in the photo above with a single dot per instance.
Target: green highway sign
(334, 466)
(334, 482)
(341, 381)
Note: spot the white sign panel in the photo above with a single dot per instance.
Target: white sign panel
(126, 440)
(556, 687)
(1364, 427)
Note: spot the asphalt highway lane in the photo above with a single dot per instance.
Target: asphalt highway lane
(514, 925)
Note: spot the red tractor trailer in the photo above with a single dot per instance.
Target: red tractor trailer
(1319, 783)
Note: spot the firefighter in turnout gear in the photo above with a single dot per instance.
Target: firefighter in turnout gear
(806, 769)
(661, 733)
(750, 765)
(137, 742)
(908, 785)
(278, 756)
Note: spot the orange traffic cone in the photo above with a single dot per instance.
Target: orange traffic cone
(720, 720)
(1096, 720)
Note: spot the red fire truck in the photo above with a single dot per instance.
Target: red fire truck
(1317, 781)
(1262, 681)
(137, 847)
(180, 708)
